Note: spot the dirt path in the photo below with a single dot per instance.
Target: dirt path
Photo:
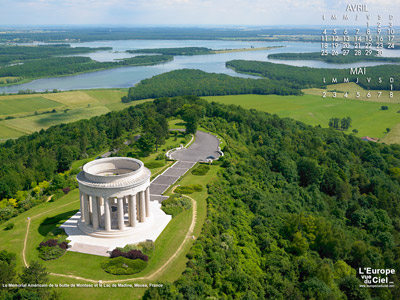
(25, 240)
(28, 226)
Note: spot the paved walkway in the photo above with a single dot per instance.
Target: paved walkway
(206, 146)
(162, 182)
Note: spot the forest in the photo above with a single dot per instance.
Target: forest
(58, 66)
(199, 83)
(175, 51)
(295, 211)
(278, 79)
(337, 59)
(312, 77)
(14, 54)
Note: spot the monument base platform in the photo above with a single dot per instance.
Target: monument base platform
(84, 239)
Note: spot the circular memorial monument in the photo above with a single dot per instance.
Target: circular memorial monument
(114, 196)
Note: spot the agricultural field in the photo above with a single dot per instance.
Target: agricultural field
(24, 114)
(367, 116)
(29, 113)
(352, 88)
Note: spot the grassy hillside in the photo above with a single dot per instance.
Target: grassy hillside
(311, 108)
(367, 117)
(24, 114)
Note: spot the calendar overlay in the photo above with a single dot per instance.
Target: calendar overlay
(367, 35)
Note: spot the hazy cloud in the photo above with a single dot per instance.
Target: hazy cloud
(177, 12)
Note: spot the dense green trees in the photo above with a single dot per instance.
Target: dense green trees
(18, 54)
(295, 212)
(199, 83)
(34, 274)
(30, 160)
(313, 77)
(343, 123)
(58, 66)
(337, 59)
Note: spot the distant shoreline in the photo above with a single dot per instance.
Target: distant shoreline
(245, 49)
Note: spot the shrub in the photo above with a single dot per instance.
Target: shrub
(54, 245)
(196, 187)
(9, 226)
(146, 247)
(160, 156)
(201, 170)
(384, 107)
(175, 204)
(185, 189)
(129, 247)
(63, 245)
(123, 266)
(155, 164)
(189, 189)
(49, 243)
(132, 254)
(355, 130)
(137, 254)
(48, 253)
(66, 190)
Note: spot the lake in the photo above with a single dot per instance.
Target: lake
(126, 77)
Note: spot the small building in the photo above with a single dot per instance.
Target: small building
(369, 139)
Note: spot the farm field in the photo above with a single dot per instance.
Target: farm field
(29, 113)
(367, 116)
(24, 114)
(352, 88)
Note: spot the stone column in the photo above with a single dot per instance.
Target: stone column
(142, 215)
(95, 213)
(82, 198)
(137, 206)
(120, 213)
(147, 197)
(86, 208)
(107, 215)
(98, 201)
(132, 210)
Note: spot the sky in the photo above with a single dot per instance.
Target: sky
(181, 12)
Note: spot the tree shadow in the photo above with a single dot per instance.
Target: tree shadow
(51, 223)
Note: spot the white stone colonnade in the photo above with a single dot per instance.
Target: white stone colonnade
(114, 196)
(100, 212)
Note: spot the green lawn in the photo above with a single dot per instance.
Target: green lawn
(22, 105)
(367, 117)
